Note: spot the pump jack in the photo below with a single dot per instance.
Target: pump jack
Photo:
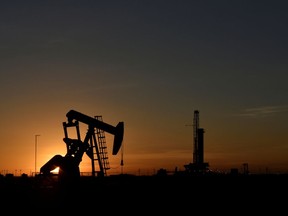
(69, 164)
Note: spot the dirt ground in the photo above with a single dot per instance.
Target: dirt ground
(146, 194)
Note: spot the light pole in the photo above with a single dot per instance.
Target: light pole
(36, 139)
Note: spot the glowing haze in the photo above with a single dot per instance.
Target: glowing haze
(149, 64)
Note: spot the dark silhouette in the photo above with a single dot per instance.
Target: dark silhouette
(180, 192)
(155, 193)
(198, 166)
(69, 164)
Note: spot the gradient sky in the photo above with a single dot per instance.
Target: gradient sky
(149, 64)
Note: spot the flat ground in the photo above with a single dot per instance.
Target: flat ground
(146, 194)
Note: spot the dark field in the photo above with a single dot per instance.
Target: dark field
(148, 194)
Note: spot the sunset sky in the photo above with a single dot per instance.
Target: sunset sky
(149, 64)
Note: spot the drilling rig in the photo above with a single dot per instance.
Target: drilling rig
(198, 166)
(92, 145)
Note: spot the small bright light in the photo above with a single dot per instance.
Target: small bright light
(55, 171)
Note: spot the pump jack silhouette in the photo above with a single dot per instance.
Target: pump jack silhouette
(69, 164)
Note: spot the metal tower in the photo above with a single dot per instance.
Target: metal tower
(198, 165)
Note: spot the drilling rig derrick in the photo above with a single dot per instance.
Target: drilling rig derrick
(198, 166)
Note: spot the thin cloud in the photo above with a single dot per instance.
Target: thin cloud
(263, 111)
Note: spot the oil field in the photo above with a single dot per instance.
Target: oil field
(150, 69)
(197, 189)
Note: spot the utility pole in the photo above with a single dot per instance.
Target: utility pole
(36, 140)
(196, 153)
